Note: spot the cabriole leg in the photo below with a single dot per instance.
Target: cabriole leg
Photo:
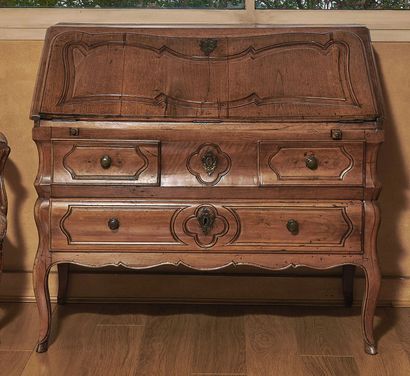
(373, 280)
(372, 273)
(40, 275)
(41, 271)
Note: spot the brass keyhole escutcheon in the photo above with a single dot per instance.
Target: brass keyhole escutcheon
(209, 162)
(311, 162)
(206, 219)
(105, 161)
(293, 226)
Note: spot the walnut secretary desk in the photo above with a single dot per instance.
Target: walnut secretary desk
(207, 147)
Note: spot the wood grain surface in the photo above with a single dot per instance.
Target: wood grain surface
(179, 340)
(191, 77)
(228, 81)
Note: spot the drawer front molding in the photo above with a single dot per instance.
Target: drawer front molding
(102, 162)
(333, 227)
(291, 163)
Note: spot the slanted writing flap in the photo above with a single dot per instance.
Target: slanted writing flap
(225, 74)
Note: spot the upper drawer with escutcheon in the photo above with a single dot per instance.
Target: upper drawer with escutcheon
(102, 162)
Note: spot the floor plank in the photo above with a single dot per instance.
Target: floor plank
(113, 351)
(12, 363)
(402, 325)
(166, 344)
(18, 326)
(322, 331)
(72, 328)
(187, 340)
(390, 349)
(271, 344)
(124, 314)
(219, 343)
(329, 366)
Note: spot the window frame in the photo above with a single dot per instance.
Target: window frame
(31, 23)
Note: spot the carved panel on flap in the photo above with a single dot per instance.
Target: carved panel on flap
(209, 164)
(293, 163)
(308, 74)
(86, 162)
(166, 77)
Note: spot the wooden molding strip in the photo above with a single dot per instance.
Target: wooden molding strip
(131, 287)
(30, 24)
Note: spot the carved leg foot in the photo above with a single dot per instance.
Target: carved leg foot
(63, 270)
(42, 347)
(373, 280)
(370, 349)
(348, 281)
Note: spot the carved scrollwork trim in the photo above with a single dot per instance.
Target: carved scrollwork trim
(349, 97)
(200, 266)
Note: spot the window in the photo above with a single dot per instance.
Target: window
(332, 4)
(207, 4)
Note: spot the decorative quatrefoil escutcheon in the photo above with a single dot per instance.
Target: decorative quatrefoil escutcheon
(208, 45)
(206, 225)
(209, 164)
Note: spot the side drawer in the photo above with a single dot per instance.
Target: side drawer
(248, 227)
(313, 163)
(106, 162)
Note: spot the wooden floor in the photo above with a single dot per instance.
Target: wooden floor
(150, 340)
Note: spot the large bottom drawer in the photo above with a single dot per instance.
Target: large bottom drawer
(245, 226)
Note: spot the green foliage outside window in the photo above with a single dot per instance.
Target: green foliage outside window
(211, 4)
(333, 4)
(214, 4)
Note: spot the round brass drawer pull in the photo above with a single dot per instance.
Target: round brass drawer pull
(293, 226)
(311, 162)
(105, 161)
(113, 224)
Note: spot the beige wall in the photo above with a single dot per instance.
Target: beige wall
(18, 67)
